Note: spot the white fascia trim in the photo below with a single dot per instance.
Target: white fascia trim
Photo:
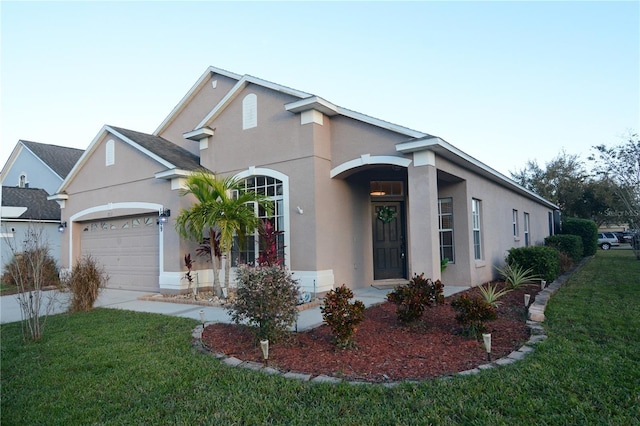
(312, 103)
(232, 94)
(172, 174)
(58, 197)
(196, 135)
(238, 87)
(191, 93)
(257, 171)
(366, 159)
(329, 109)
(450, 152)
(150, 154)
(82, 159)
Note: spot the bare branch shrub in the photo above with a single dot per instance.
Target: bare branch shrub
(32, 269)
(84, 282)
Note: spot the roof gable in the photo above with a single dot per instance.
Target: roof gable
(168, 154)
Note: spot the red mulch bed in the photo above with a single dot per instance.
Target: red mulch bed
(384, 349)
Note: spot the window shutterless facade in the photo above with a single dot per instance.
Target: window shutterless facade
(476, 230)
(515, 223)
(445, 223)
(526, 230)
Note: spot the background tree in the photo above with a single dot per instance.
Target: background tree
(222, 207)
(620, 167)
(563, 182)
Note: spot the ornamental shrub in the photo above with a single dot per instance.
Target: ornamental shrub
(412, 299)
(266, 300)
(566, 243)
(473, 312)
(85, 281)
(19, 271)
(585, 229)
(544, 262)
(341, 316)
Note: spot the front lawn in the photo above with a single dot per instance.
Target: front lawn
(118, 367)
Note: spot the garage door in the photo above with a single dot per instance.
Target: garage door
(127, 248)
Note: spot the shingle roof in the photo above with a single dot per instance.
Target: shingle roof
(60, 159)
(174, 154)
(34, 199)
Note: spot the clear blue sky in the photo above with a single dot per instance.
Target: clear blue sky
(506, 82)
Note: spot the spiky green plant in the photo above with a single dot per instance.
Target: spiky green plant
(515, 276)
(491, 294)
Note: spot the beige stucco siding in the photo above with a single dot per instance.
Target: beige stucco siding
(497, 204)
(200, 104)
(277, 138)
(352, 138)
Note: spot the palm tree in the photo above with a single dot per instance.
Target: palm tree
(222, 206)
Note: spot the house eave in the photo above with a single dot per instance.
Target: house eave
(172, 174)
(198, 134)
(456, 156)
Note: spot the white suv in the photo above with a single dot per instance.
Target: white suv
(606, 240)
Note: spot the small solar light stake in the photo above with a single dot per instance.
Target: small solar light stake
(202, 317)
(486, 337)
(543, 284)
(264, 345)
(527, 299)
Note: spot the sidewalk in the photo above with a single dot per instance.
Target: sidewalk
(130, 300)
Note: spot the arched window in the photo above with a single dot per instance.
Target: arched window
(273, 188)
(249, 111)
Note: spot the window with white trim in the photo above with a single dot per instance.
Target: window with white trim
(476, 230)
(249, 111)
(445, 225)
(272, 188)
(516, 231)
(526, 230)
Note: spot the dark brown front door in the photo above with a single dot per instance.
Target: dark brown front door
(388, 240)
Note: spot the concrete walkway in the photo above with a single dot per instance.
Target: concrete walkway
(130, 300)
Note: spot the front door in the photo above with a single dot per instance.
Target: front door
(388, 240)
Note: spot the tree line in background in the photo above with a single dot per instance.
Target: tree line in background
(605, 188)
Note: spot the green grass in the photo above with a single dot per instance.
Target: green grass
(118, 367)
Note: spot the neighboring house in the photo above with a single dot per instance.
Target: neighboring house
(23, 208)
(32, 172)
(360, 201)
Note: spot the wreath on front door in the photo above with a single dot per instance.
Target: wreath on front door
(387, 215)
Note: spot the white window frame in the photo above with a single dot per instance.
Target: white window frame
(476, 225)
(442, 230)
(516, 228)
(284, 215)
(527, 241)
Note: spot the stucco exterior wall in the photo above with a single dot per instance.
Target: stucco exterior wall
(200, 104)
(497, 204)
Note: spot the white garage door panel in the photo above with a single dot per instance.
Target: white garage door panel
(128, 250)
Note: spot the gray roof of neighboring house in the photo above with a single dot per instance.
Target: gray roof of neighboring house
(34, 199)
(60, 159)
(176, 155)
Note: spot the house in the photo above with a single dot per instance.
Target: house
(32, 172)
(360, 201)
